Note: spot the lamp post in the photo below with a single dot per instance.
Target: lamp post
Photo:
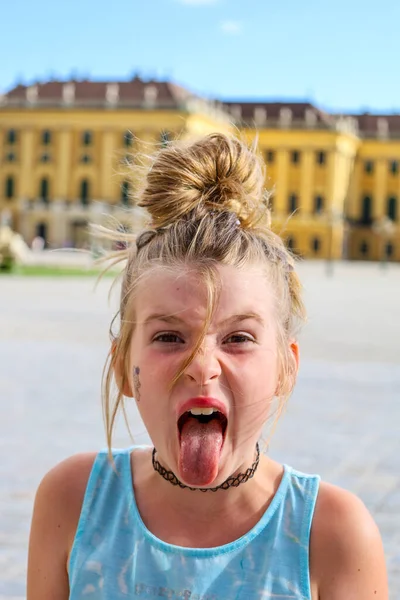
(384, 229)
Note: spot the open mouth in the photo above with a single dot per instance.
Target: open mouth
(204, 417)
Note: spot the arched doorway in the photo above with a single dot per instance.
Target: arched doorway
(42, 232)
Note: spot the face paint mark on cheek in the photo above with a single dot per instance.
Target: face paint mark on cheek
(136, 382)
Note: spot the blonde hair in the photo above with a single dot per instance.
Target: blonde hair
(208, 206)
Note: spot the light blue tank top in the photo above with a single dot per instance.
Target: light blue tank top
(115, 557)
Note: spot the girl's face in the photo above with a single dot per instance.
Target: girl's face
(234, 374)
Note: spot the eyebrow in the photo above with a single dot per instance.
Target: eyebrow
(174, 319)
(162, 317)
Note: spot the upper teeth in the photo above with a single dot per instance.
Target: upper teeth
(202, 411)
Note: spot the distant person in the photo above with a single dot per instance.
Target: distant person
(210, 309)
(38, 244)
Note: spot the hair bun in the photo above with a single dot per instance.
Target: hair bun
(216, 173)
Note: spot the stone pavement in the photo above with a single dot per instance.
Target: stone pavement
(343, 420)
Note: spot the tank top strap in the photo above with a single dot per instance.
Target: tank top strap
(296, 516)
(106, 491)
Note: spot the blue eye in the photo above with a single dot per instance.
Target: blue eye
(168, 338)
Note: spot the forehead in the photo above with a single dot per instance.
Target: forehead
(183, 292)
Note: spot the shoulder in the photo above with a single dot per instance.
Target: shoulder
(56, 513)
(346, 552)
(67, 479)
(61, 491)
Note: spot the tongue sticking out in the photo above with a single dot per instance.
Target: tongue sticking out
(200, 451)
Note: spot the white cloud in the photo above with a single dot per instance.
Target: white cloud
(231, 27)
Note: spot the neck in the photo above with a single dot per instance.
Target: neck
(211, 503)
(192, 518)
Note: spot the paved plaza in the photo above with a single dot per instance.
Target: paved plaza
(343, 421)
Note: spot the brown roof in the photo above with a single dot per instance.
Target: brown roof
(368, 123)
(94, 92)
(170, 95)
(273, 110)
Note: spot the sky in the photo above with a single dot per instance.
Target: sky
(343, 55)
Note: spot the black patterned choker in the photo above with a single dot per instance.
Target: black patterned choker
(228, 483)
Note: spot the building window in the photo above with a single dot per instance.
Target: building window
(9, 188)
(84, 192)
(316, 245)
(44, 190)
(394, 167)
(86, 159)
(321, 158)
(295, 157)
(87, 138)
(11, 157)
(128, 159)
(368, 166)
(45, 158)
(270, 156)
(290, 243)
(318, 205)
(125, 193)
(11, 136)
(122, 244)
(392, 208)
(364, 249)
(165, 137)
(293, 203)
(46, 137)
(128, 139)
(366, 211)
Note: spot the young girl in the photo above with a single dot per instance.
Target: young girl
(210, 307)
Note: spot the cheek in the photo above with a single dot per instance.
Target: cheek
(156, 372)
(260, 373)
(255, 382)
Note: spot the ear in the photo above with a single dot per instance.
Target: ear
(294, 347)
(121, 378)
(294, 358)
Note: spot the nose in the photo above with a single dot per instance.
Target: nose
(205, 365)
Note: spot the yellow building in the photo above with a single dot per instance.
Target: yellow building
(339, 176)
(310, 159)
(373, 208)
(65, 149)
